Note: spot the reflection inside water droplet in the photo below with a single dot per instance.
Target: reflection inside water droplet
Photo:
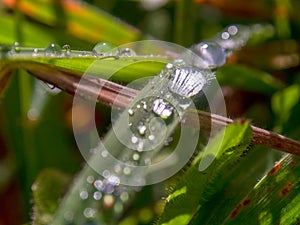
(211, 55)
(106, 49)
(188, 81)
(53, 50)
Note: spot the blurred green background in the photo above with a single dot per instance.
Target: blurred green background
(30, 142)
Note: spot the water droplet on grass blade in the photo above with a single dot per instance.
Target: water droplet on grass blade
(162, 108)
(188, 81)
(53, 50)
(142, 129)
(106, 49)
(97, 195)
(213, 55)
(16, 47)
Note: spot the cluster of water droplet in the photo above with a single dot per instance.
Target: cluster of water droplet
(233, 37)
(102, 49)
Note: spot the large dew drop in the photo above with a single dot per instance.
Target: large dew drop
(106, 49)
(188, 81)
(53, 50)
(162, 108)
(211, 55)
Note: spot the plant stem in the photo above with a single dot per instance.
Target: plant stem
(68, 81)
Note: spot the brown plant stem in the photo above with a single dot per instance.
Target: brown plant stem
(109, 93)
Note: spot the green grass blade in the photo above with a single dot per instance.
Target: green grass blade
(246, 78)
(197, 187)
(48, 187)
(275, 199)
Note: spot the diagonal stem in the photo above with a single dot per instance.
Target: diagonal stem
(110, 95)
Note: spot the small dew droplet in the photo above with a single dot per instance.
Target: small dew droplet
(83, 195)
(142, 129)
(151, 137)
(162, 109)
(89, 212)
(106, 49)
(35, 52)
(126, 170)
(136, 156)
(98, 184)
(90, 179)
(130, 112)
(97, 195)
(16, 47)
(134, 139)
(53, 50)
(124, 196)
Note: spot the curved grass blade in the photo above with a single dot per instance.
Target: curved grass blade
(246, 78)
(48, 187)
(195, 188)
(275, 199)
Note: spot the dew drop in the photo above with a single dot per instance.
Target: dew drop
(66, 47)
(124, 196)
(233, 37)
(188, 81)
(90, 179)
(114, 180)
(16, 47)
(151, 137)
(104, 154)
(134, 139)
(35, 52)
(68, 216)
(97, 195)
(140, 146)
(136, 156)
(126, 170)
(89, 212)
(98, 184)
(162, 109)
(130, 112)
(142, 129)
(210, 53)
(53, 50)
(117, 168)
(106, 173)
(127, 52)
(169, 66)
(225, 35)
(232, 30)
(83, 195)
(106, 49)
